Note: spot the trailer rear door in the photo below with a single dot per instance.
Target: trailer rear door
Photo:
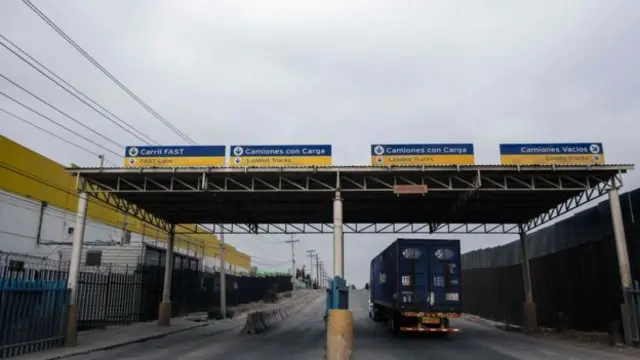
(444, 276)
(413, 271)
(429, 275)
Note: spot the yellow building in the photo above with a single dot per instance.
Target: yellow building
(28, 174)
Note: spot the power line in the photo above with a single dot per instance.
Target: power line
(51, 133)
(102, 204)
(139, 134)
(62, 126)
(95, 201)
(268, 263)
(61, 112)
(35, 208)
(106, 72)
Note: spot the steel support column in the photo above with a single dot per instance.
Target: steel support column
(623, 257)
(620, 239)
(338, 237)
(164, 312)
(74, 267)
(530, 318)
(223, 277)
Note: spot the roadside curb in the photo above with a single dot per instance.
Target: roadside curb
(493, 324)
(474, 318)
(128, 342)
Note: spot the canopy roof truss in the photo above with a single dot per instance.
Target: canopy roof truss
(453, 199)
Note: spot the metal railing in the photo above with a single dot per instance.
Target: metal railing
(32, 315)
(632, 300)
(33, 304)
(34, 297)
(108, 295)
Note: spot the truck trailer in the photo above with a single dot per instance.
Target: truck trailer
(415, 285)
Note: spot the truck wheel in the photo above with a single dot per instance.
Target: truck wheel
(374, 316)
(394, 326)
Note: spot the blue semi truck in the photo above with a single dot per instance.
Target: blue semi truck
(415, 285)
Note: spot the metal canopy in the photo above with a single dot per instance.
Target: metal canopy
(459, 199)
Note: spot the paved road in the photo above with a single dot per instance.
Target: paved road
(476, 341)
(301, 337)
(298, 337)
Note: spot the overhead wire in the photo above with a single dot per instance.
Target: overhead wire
(52, 134)
(258, 260)
(61, 112)
(62, 126)
(58, 80)
(95, 201)
(106, 72)
(35, 208)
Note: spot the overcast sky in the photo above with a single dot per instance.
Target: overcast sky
(345, 73)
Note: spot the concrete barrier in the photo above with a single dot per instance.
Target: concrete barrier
(260, 320)
(339, 335)
(253, 324)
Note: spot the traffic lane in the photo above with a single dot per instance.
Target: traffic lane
(173, 346)
(298, 337)
(299, 333)
(208, 340)
(373, 341)
(521, 346)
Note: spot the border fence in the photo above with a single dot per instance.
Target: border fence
(34, 297)
(574, 272)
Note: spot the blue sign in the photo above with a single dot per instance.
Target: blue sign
(280, 155)
(548, 154)
(175, 156)
(422, 154)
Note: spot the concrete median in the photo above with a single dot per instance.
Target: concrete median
(339, 335)
(260, 320)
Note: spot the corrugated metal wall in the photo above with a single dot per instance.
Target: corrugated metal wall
(574, 271)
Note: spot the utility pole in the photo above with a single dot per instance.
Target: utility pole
(310, 255)
(318, 270)
(323, 276)
(101, 157)
(293, 242)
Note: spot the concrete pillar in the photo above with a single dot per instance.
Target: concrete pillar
(623, 258)
(338, 237)
(164, 312)
(529, 316)
(74, 268)
(339, 336)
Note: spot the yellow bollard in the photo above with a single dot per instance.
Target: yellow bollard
(339, 334)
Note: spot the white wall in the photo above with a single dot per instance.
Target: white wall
(19, 218)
